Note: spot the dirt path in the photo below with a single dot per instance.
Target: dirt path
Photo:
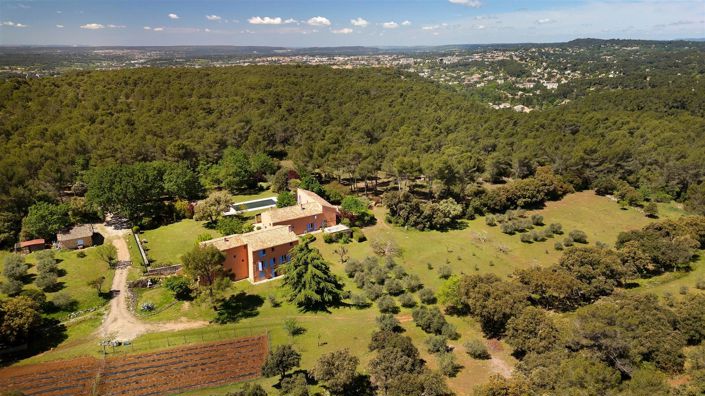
(120, 323)
(501, 367)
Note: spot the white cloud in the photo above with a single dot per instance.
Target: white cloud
(318, 21)
(213, 17)
(117, 26)
(406, 23)
(434, 27)
(173, 16)
(92, 26)
(467, 3)
(359, 22)
(291, 20)
(13, 24)
(158, 29)
(390, 25)
(207, 30)
(480, 27)
(544, 21)
(60, 26)
(147, 28)
(342, 31)
(255, 20)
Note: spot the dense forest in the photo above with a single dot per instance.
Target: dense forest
(341, 123)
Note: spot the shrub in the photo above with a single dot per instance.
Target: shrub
(430, 320)
(507, 228)
(536, 219)
(407, 300)
(46, 281)
(568, 241)
(547, 233)
(273, 301)
(448, 330)
(444, 272)
(147, 307)
(412, 283)
(352, 267)
(329, 238)
(386, 304)
(556, 228)
(700, 284)
(398, 272)
(491, 220)
(14, 267)
(526, 238)
(179, 286)
(537, 236)
(578, 236)
(136, 229)
(683, 290)
(358, 235)
(292, 327)
(448, 365)
(387, 322)
(558, 246)
(437, 344)
(360, 279)
(427, 296)
(394, 287)
(373, 292)
(477, 349)
(47, 264)
(11, 287)
(64, 302)
(359, 301)
(80, 254)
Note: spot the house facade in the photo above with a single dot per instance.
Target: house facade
(27, 247)
(310, 214)
(78, 237)
(256, 255)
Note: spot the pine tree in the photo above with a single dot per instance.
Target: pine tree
(311, 284)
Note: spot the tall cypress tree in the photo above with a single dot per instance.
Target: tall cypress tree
(311, 284)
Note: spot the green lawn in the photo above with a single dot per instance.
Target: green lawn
(166, 244)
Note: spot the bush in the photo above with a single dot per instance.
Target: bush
(444, 272)
(386, 304)
(412, 283)
(398, 272)
(273, 302)
(387, 322)
(46, 281)
(537, 219)
(556, 228)
(394, 287)
(358, 235)
(448, 365)
(136, 229)
(147, 307)
(64, 302)
(427, 296)
(47, 264)
(526, 238)
(537, 236)
(179, 286)
(477, 349)
(430, 320)
(491, 220)
(352, 267)
(507, 228)
(373, 292)
(578, 236)
(11, 287)
(407, 300)
(437, 344)
(80, 254)
(568, 242)
(14, 267)
(329, 238)
(292, 327)
(558, 246)
(700, 284)
(359, 301)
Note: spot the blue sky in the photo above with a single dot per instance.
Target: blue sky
(342, 22)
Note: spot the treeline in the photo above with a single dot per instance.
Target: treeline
(344, 123)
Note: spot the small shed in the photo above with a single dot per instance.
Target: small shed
(30, 246)
(78, 237)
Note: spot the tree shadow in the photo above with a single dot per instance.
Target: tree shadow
(47, 336)
(238, 306)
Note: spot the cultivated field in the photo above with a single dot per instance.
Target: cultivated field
(157, 373)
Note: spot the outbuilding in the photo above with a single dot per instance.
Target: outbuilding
(30, 246)
(78, 237)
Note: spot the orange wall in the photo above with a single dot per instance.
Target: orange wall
(299, 225)
(276, 252)
(236, 262)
